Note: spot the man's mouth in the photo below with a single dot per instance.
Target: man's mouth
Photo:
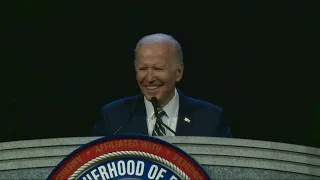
(153, 87)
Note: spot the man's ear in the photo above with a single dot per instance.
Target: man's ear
(179, 73)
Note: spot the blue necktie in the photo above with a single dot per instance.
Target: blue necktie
(159, 129)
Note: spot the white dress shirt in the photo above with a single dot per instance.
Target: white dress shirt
(171, 117)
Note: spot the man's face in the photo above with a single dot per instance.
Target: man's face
(157, 71)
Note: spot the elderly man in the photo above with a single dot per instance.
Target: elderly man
(161, 109)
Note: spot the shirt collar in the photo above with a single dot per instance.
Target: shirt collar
(171, 108)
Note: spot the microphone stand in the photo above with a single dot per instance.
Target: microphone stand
(130, 116)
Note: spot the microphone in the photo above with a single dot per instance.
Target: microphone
(130, 116)
(154, 102)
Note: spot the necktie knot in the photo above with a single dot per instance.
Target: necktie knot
(161, 112)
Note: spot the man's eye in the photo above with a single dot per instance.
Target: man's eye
(143, 69)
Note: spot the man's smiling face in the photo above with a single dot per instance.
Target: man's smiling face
(157, 71)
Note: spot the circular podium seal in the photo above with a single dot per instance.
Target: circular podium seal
(124, 157)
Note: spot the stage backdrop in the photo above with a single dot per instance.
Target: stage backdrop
(63, 61)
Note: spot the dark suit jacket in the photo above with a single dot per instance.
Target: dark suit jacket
(206, 118)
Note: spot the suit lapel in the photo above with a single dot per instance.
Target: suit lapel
(138, 122)
(184, 127)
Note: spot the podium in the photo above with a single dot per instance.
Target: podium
(222, 158)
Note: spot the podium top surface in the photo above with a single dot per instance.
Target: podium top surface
(171, 139)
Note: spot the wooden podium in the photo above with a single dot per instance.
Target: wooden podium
(222, 158)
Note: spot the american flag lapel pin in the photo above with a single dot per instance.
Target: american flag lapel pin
(187, 120)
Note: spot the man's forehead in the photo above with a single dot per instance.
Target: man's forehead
(155, 49)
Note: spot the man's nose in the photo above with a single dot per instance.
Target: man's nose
(150, 76)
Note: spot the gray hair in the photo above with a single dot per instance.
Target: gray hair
(160, 38)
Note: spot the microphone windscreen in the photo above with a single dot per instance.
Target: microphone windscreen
(154, 101)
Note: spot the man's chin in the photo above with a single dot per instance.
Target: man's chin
(150, 96)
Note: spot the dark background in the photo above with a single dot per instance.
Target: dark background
(62, 61)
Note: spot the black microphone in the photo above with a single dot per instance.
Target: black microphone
(154, 102)
(130, 116)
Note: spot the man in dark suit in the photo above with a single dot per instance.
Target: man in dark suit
(159, 66)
